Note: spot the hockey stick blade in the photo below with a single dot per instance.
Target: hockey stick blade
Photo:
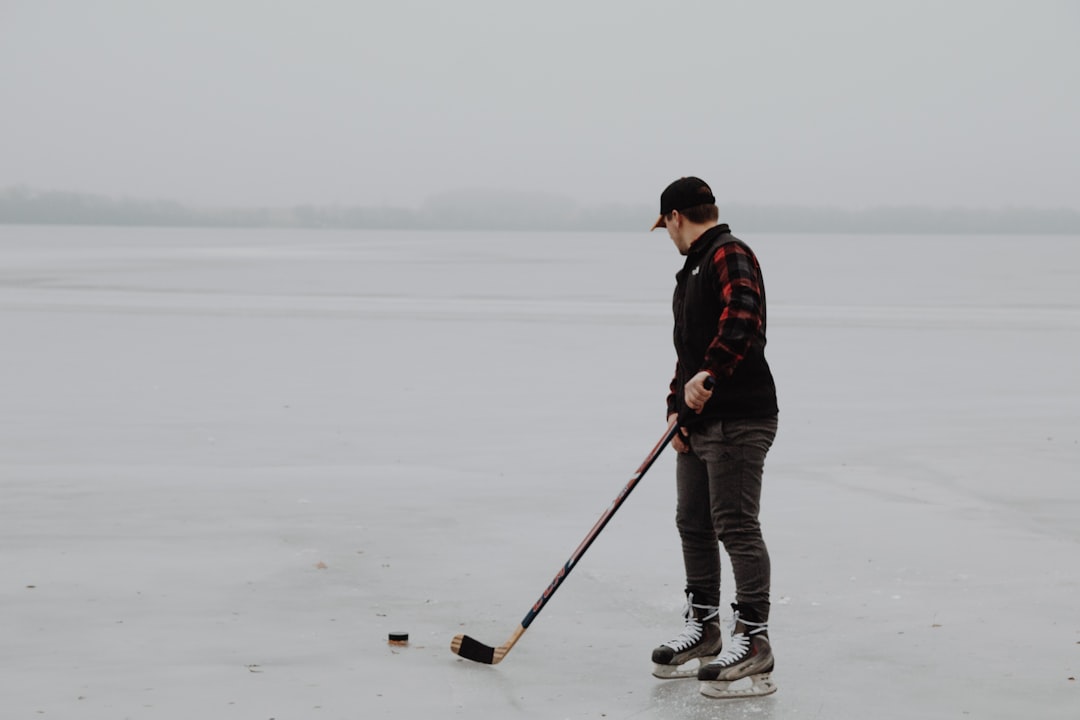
(472, 649)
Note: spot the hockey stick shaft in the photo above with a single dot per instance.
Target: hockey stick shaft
(477, 651)
(673, 427)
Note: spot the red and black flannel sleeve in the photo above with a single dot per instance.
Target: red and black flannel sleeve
(744, 309)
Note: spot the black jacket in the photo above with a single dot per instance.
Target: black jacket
(720, 321)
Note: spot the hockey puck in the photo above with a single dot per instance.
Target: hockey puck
(398, 638)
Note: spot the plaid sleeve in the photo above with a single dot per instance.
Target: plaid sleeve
(743, 315)
(672, 405)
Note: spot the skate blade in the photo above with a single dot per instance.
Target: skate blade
(677, 672)
(753, 686)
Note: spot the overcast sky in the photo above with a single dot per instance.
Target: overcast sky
(837, 102)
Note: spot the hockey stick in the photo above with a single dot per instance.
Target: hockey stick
(474, 650)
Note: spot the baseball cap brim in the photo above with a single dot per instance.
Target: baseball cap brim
(660, 223)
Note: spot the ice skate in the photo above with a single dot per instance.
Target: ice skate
(745, 668)
(701, 640)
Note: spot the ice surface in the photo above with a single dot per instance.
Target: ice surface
(232, 461)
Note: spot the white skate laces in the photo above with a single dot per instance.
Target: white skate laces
(740, 642)
(696, 645)
(694, 628)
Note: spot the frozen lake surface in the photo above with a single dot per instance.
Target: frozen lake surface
(232, 461)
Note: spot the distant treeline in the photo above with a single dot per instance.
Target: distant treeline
(523, 211)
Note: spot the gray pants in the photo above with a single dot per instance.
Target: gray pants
(719, 496)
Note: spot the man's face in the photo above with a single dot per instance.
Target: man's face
(669, 223)
(674, 225)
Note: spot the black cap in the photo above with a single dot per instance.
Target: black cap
(684, 193)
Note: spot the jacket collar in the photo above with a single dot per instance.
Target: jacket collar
(706, 239)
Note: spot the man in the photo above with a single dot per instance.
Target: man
(724, 435)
